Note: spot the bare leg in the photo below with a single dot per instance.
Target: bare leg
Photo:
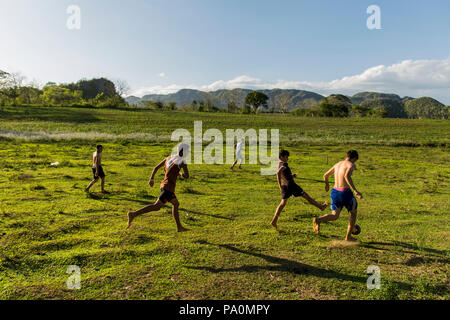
(278, 212)
(324, 219)
(176, 216)
(232, 167)
(91, 184)
(103, 184)
(151, 207)
(321, 207)
(351, 226)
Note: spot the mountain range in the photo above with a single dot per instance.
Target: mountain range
(290, 98)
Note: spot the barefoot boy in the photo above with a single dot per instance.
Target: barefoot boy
(289, 188)
(342, 193)
(239, 156)
(97, 168)
(172, 167)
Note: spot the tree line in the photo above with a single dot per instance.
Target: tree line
(105, 93)
(84, 93)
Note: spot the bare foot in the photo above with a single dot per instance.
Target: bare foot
(324, 205)
(182, 229)
(350, 238)
(316, 226)
(274, 224)
(131, 216)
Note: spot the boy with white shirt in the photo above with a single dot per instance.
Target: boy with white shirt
(239, 157)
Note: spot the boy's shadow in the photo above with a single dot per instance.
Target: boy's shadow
(381, 246)
(205, 214)
(283, 265)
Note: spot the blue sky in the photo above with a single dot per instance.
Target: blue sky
(161, 46)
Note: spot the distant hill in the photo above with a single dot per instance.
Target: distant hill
(392, 108)
(426, 107)
(387, 104)
(132, 100)
(291, 99)
(363, 96)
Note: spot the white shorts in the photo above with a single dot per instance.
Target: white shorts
(239, 156)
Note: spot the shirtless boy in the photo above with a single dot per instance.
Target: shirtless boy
(172, 167)
(289, 188)
(342, 193)
(97, 168)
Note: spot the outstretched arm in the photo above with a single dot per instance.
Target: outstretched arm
(325, 178)
(152, 178)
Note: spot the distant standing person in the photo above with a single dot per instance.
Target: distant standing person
(239, 157)
(172, 169)
(289, 188)
(342, 193)
(97, 168)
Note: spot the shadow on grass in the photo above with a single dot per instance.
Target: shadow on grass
(205, 214)
(107, 196)
(284, 265)
(380, 246)
(307, 179)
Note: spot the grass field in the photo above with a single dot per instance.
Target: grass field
(47, 221)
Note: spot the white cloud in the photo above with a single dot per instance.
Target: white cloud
(408, 78)
(162, 75)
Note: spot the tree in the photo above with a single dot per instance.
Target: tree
(360, 111)
(282, 101)
(122, 87)
(193, 105)
(335, 105)
(378, 112)
(232, 107)
(10, 84)
(201, 106)
(94, 87)
(29, 95)
(256, 100)
(171, 106)
(60, 96)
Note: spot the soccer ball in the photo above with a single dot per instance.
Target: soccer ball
(356, 230)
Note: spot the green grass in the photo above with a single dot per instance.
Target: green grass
(45, 123)
(48, 223)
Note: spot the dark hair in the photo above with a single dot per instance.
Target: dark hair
(99, 146)
(283, 153)
(353, 154)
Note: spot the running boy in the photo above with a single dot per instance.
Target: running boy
(172, 167)
(289, 188)
(342, 193)
(97, 168)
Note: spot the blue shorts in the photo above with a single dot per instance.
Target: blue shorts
(340, 199)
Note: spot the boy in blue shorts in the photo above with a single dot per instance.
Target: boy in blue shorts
(342, 194)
